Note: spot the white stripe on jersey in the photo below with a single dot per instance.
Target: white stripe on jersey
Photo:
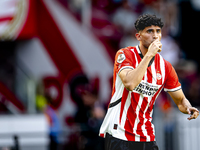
(162, 66)
(145, 76)
(125, 67)
(137, 137)
(127, 104)
(153, 73)
(138, 49)
(145, 120)
(172, 90)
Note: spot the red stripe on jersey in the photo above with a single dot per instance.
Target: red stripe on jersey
(131, 116)
(137, 55)
(141, 118)
(149, 75)
(150, 131)
(101, 135)
(158, 71)
(129, 124)
(148, 116)
(143, 78)
(133, 58)
(123, 101)
(148, 123)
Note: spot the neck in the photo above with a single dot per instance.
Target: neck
(143, 49)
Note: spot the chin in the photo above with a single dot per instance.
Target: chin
(146, 46)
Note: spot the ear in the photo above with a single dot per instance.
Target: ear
(138, 36)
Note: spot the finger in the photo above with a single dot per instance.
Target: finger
(188, 111)
(159, 45)
(194, 115)
(191, 110)
(159, 50)
(194, 109)
(155, 40)
(190, 118)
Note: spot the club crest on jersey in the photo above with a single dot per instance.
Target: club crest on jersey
(158, 76)
(121, 58)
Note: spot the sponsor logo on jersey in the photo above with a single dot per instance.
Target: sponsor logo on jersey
(146, 89)
(121, 58)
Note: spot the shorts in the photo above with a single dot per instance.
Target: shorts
(112, 143)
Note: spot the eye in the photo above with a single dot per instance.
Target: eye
(149, 31)
(158, 31)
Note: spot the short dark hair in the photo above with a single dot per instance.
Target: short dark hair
(147, 20)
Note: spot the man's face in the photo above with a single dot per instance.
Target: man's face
(149, 34)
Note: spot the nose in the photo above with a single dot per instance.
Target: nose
(155, 36)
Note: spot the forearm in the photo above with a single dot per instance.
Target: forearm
(133, 77)
(184, 105)
(186, 108)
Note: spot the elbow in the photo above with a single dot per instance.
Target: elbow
(129, 86)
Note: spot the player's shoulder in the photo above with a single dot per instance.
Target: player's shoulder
(124, 53)
(167, 64)
(126, 50)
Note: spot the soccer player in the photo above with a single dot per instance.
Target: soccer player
(140, 73)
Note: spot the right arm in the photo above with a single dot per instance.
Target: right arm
(132, 77)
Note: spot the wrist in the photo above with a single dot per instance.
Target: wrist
(149, 56)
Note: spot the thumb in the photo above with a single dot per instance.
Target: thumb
(188, 111)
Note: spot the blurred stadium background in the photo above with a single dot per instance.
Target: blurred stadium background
(56, 63)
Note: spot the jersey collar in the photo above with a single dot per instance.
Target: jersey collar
(141, 56)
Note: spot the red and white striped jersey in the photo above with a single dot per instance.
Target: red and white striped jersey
(129, 116)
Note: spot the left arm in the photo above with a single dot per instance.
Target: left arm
(183, 104)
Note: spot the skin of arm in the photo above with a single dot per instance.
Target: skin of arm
(183, 104)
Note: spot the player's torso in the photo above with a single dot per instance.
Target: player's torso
(137, 105)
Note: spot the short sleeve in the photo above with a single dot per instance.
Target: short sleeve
(172, 83)
(124, 59)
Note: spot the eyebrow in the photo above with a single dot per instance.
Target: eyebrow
(149, 29)
(153, 29)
